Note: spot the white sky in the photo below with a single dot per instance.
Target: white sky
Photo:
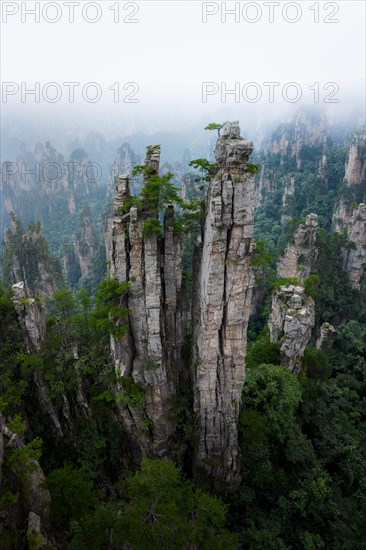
(170, 51)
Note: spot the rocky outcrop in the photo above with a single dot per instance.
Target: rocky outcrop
(300, 255)
(342, 214)
(264, 185)
(78, 256)
(31, 314)
(86, 242)
(34, 500)
(221, 307)
(287, 199)
(148, 353)
(306, 129)
(125, 161)
(355, 169)
(27, 258)
(326, 336)
(291, 322)
(355, 255)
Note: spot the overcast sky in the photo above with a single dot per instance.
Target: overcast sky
(170, 52)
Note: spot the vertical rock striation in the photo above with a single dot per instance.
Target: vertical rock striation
(300, 255)
(287, 199)
(149, 351)
(291, 322)
(222, 303)
(27, 258)
(355, 256)
(32, 316)
(355, 169)
(342, 213)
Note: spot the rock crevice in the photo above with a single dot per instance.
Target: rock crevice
(222, 302)
(149, 351)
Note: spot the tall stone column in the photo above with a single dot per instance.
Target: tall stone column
(149, 351)
(221, 310)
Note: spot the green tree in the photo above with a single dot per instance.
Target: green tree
(72, 495)
(162, 510)
(214, 126)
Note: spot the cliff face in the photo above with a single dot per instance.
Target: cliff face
(355, 169)
(32, 507)
(355, 257)
(300, 255)
(222, 303)
(342, 214)
(287, 199)
(28, 259)
(78, 256)
(291, 322)
(126, 159)
(305, 130)
(31, 316)
(265, 184)
(32, 319)
(149, 351)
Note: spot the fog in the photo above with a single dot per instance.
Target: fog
(169, 64)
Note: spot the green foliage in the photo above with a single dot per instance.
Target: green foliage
(207, 168)
(30, 250)
(182, 408)
(275, 392)
(109, 315)
(335, 298)
(170, 513)
(12, 386)
(142, 169)
(7, 499)
(311, 284)
(132, 393)
(153, 227)
(303, 450)
(22, 460)
(263, 351)
(157, 194)
(71, 486)
(285, 281)
(17, 425)
(261, 258)
(252, 168)
(315, 364)
(161, 510)
(214, 126)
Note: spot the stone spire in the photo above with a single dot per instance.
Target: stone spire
(149, 351)
(300, 254)
(291, 323)
(222, 302)
(355, 169)
(355, 256)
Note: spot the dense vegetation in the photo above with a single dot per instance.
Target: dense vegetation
(302, 439)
